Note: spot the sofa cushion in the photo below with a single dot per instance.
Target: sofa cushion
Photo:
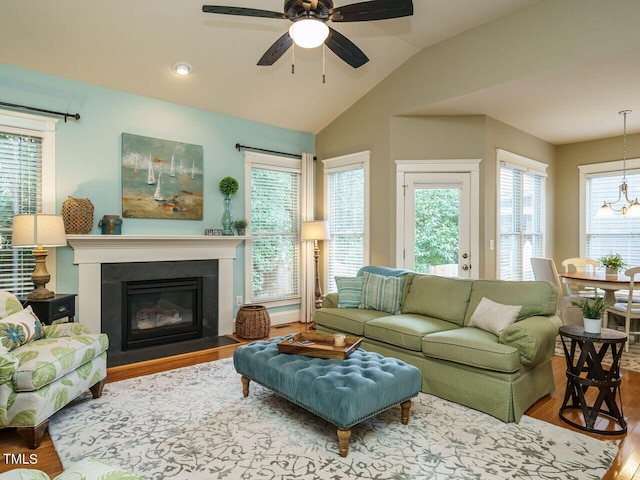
(46, 360)
(438, 297)
(382, 293)
(349, 320)
(472, 346)
(20, 328)
(349, 291)
(493, 317)
(404, 331)
(535, 298)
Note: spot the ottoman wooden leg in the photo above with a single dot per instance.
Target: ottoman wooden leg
(245, 386)
(344, 434)
(405, 411)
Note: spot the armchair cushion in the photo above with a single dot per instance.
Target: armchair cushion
(46, 360)
(20, 328)
(9, 304)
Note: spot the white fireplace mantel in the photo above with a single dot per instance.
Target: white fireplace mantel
(91, 251)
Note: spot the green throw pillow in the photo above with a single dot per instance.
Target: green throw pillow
(349, 291)
(9, 304)
(382, 293)
(20, 328)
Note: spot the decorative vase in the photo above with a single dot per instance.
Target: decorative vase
(227, 219)
(592, 325)
(611, 272)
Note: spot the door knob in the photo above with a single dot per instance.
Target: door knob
(465, 267)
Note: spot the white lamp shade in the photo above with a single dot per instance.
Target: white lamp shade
(315, 230)
(634, 210)
(309, 33)
(39, 230)
(605, 211)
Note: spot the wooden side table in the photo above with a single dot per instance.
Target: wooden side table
(585, 371)
(50, 309)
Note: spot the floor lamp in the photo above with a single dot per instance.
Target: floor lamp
(39, 231)
(316, 230)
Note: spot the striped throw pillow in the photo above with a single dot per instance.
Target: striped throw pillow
(349, 291)
(382, 293)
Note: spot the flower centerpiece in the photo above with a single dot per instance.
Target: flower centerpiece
(613, 263)
(592, 311)
(228, 186)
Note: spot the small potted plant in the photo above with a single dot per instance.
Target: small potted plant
(592, 311)
(241, 225)
(228, 186)
(613, 263)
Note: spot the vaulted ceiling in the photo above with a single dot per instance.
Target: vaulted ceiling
(131, 46)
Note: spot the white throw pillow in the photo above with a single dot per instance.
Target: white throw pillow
(494, 317)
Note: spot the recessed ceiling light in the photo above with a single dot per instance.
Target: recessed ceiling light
(182, 68)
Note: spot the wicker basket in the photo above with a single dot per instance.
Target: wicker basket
(253, 321)
(78, 215)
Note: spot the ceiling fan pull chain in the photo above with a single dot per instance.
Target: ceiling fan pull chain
(324, 78)
(293, 60)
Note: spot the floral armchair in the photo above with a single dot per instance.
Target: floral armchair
(43, 368)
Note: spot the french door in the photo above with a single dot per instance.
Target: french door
(439, 231)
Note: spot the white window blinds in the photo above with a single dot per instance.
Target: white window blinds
(521, 217)
(20, 192)
(275, 213)
(611, 235)
(346, 183)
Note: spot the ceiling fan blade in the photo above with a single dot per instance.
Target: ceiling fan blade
(372, 10)
(345, 49)
(276, 50)
(245, 12)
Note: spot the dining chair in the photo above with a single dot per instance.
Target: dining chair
(629, 310)
(544, 269)
(578, 264)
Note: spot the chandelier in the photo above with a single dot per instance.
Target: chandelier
(631, 208)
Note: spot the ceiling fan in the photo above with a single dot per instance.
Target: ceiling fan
(315, 14)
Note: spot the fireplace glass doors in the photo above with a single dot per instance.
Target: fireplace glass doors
(161, 311)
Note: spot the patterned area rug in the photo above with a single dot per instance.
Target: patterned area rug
(630, 360)
(193, 423)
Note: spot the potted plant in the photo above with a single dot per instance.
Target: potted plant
(592, 311)
(241, 225)
(613, 263)
(228, 186)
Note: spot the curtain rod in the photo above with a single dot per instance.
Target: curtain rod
(75, 116)
(245, 147)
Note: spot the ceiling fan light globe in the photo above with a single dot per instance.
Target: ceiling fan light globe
(309, 33)
(634, 210)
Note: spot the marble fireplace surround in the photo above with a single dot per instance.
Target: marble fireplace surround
(90, 251)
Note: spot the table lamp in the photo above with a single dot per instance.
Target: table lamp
(316, 230)
(39, 231)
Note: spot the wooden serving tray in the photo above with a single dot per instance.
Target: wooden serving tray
(322, 346)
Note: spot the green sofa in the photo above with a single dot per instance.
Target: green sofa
(502, 375)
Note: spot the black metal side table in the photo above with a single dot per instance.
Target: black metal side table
(585, 370)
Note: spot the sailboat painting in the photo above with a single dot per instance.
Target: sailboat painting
(154, 184)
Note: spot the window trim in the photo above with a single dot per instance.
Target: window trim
(505, 158)
(44, 127)
(592, 169)
(344, 163)
(273, 162)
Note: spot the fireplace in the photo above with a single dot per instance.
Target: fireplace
(148, 306)
(161, 311)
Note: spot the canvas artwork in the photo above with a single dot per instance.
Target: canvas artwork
(161, 178)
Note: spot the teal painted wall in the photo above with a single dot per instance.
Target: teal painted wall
(88, 152)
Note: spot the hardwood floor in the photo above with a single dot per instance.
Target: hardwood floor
(626, 466)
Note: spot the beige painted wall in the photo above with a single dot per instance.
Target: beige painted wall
(568, 158)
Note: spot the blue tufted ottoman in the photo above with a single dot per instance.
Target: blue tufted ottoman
(343, 392)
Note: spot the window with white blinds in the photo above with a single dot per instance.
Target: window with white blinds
(27, 185)
(521, 205)
(20, 192)
(611, 235)
(346, 200)
(275, 226)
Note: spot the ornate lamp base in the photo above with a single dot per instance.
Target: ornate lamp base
(40, 277)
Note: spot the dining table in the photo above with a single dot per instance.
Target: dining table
(608, 283)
